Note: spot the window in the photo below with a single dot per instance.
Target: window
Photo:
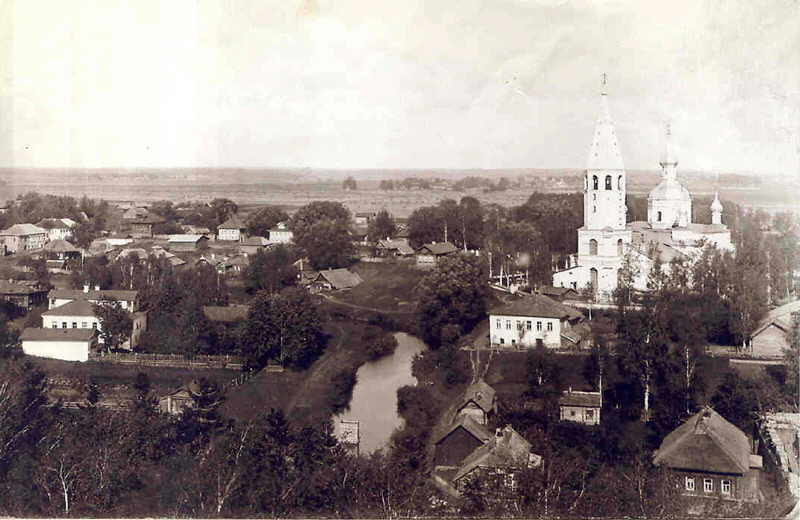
(502, 341)
(74, 324)
(549, 326)
(55, 324)
(726, 487)
(594, 196)
(594, 209)
(594, 181)
(619, 247)
(508, 324)
(498, 324)
(589, 414)
(689, 483)
(619, 182)
(572, 413)
(513, 341)
(519, 325)
(592, 247)
(539, 326)
(528, 325)
(659, 217)
(94, 325)
(52, 303)
(708, 485)
(63, 324)
(608, 182)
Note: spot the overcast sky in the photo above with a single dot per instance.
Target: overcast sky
(397, 84)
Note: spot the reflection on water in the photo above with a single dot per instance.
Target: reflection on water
(374, 402)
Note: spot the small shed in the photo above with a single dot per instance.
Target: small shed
(63, 344)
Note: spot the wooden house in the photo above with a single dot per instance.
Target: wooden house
(479, 402)
(232, 230)
(334, 280)
(462, 438)
(580, 407)
(430, 254)
(771, 336)
(187, 242)
(22, 294)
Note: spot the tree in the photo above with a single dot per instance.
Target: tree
(39, 268)
(266, 218)
(221, 209)
(640, 351)
(382, 226)
(452, 299)
(425, 225)
(285, 326)
(270, 270)
(792, 356)
(349, 184)
(386, 184)
(116, 324)
(322, 231)
(544, 374)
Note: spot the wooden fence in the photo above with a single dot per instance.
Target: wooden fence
(169, 360)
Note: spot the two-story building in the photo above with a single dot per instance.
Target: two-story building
(22, 294)
(281, 234)
(232, 230)
(530, 321)
(57, 228)
(141, 225)
(22, 237)
(711, 458)
(80, 314)
(128, 300)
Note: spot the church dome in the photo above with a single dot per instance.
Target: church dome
(669, 189)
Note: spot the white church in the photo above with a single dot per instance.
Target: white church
(606, 238)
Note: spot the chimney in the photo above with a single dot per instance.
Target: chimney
(85, 288)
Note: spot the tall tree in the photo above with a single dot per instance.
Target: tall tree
(266, 218)
(349, 184)
(322, 231)
(382, 226)
(271, 270)
(116, 324)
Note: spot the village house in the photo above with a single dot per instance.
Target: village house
(580, 407)
(530, 321)
(253, 245)
(63, 344)
(771, 336)
(393, 247)
(363, 218)
(187, 242)
(232, 230)
(57, 228)
(79, 314)
(22, 237)
(479, 402)
(430, 254)
(61, 250)
(712, 458)
(334, 280)
(281, 234)
(128, 300)
(180, 399)
(196, 230)
(463, 437)
(141, 226)
(24, 294)
(559, 293)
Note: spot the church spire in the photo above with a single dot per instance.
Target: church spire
(604, 153)
(669, 158)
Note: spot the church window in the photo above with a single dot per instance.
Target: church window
(619, 247)
(594, 196)
(595, 182)
(659, 216)
(619, 182)
(592, 247)
(608, 182)
(594, 209)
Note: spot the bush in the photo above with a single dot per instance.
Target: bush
(342, 390)
(380, 346)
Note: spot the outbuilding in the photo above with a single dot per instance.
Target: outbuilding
(63, 344)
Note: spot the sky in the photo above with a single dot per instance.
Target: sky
(387, 84)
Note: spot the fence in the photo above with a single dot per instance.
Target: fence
(169, 360)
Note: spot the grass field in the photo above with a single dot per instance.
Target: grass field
(386, 286)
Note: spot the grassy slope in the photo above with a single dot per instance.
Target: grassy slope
(387, 286)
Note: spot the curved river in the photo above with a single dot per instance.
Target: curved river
(374, 401)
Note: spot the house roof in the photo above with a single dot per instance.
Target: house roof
(60, 246)
(536, 306)
(366, 214)
(705, 442)
(507, 448)
(23, 230)
(146, 217)
(479, 393)
(52, 223)
(340, 278)
(399, 244)
(78, 294)
(577, 333)
(585, 399)
(233, 222)
(779, 316)
(255, 241)
(549, 290)
(437, 248)
(73, 308)
(469, 424)
(185, 239)
(9, 287)
(40, 334)
(226, 313)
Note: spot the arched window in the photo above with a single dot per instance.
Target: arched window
(586, 182)
(608, 182)
(593, 279)
(594, 209)
(619, 247)
(659, 216)
(592, 247)
(619, 182)
(594, 182)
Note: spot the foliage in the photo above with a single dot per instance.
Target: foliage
(349, 183)
(382, 226)
(116, 324)
(379, 343)
(271, 270)
(322, 231)
(266, 218)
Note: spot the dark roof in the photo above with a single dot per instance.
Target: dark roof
(8, 287)
(78, 294)
(37, 334)
(396, 244)
(366, 214)
(437, 248)
(585, 399)
(73, 308)
(506, 449)
(340, 278)
(537, 306)
(705, 442)
(254, 241)
(479, 393)
(226, 313)
(549, 290)
(469, 424)
(60, 246)
(779, 316)
(233, 222)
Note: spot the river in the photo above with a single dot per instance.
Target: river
(374, 401)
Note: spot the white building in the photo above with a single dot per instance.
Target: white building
(64, 344)
(232, 229)
(128, 300)
(606, 237)
(533, 320)
(281, 234)
(79, 314)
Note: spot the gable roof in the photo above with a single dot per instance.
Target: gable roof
(40, 334)
(779, 316)
(254, 241)
(536, 306)
(506, 449)
(52, 223)
(479, 393)
(185, 238)
(60, 246)
(469, 424)
(226, 313)
(340, 278)
(437, 248)
(23, 230)
(705, 442)
(585, 399)
(78, 294)
(233, 222)
(396, 244)
(550, 290)
(73, 308)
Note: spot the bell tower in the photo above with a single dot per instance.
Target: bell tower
(604, 182)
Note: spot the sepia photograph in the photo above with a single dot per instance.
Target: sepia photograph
(400, 259)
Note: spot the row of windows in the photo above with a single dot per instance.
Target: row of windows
(528, 325)
(708, 485)
(593, 247)
(609, 182)
(84, 325)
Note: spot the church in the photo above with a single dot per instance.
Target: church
(606, 236)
